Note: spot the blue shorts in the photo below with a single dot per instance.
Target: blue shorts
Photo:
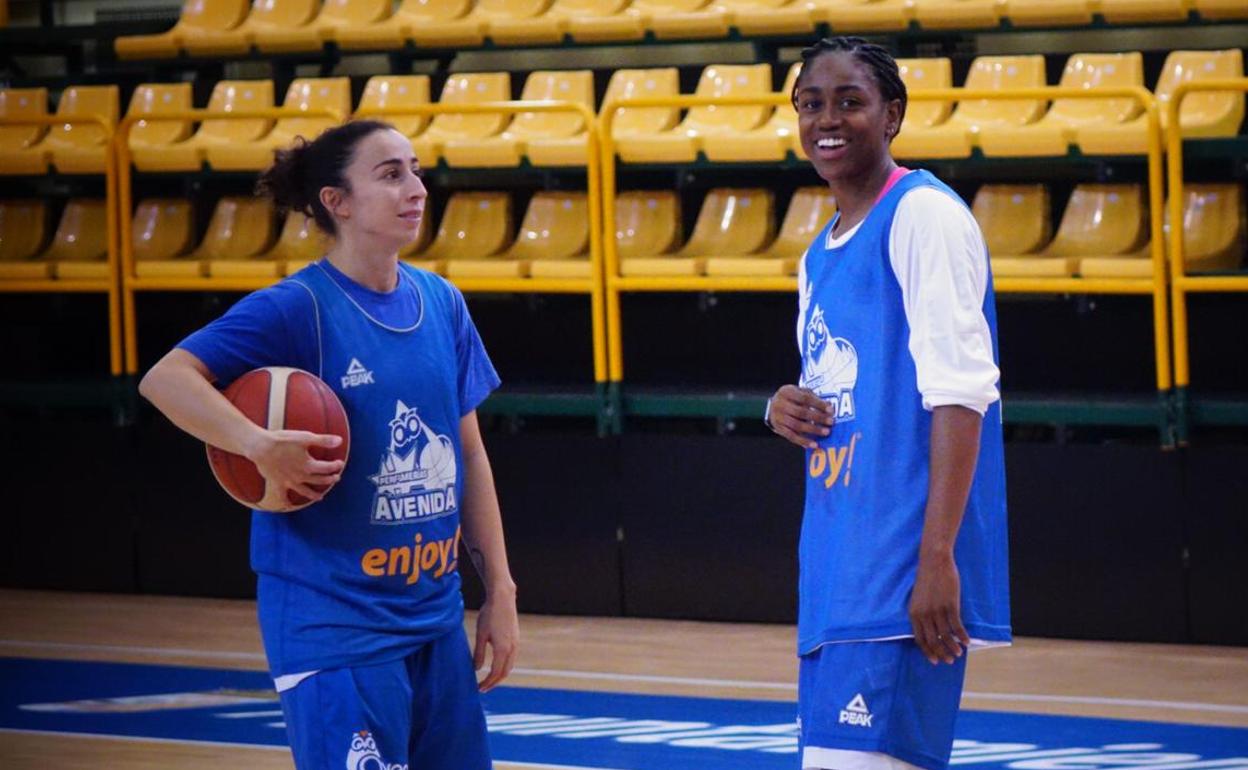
(878, 697)
(422, 712)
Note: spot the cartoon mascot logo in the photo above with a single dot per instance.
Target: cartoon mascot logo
(830, 367)
(364, 755)
(416, 477)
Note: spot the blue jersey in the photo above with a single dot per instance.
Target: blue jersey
(867, 483)
(370, 573)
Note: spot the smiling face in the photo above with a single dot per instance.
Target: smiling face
(844, 123)
(384, 198)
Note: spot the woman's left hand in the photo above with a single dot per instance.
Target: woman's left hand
(498, 627)
(935, 612)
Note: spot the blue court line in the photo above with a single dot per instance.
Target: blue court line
(578, 728)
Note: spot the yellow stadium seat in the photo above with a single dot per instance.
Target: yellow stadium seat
(464, 89)
(547, 138)
(198, 17)
(956, 14)
(955, 137)
(770, 141)
(163, 229)
(865, 15)
(919, 75)
(1129, 11)
(227, 96)
(300, 242)
(1014, 219)
(240, 229)
(554, 24)
(809, 212)
(1031, 13)
(335, 15)
(639, 84)
(751, 17)
(266, 16)
(1213, 233)
(387, 92)
(632, 22)
(1203, 114)
(1058, 128)
(1101, 220)
(733, 222)
(304, 93)
(153, 99)
(554, 232)
(681, 144)
(1218, 10)
(80, 148)
(23, 229)
(475, 225)
(19, 145)
(647, 223)
(470, 29)
(395, 30)
(79, 250)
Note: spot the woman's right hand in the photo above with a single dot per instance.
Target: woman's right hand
(800, 416)
(284, 458)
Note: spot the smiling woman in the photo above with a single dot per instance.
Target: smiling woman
(359, 593)
(903, 546)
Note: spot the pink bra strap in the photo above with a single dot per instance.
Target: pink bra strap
(893, 178)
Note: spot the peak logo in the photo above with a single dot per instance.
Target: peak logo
(856, 713)
(357, 375)
(363, 754)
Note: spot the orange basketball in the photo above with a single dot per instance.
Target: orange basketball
(279, 397)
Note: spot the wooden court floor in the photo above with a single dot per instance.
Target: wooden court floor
(1160, 683)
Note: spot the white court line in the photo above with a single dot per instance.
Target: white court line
(657, 679)
(217, 744)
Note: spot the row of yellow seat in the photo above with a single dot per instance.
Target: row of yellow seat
(931, 130)
(1104, 232)
(235, 27)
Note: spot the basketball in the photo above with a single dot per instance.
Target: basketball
(279, 398)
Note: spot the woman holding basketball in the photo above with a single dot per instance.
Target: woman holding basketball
(903, 545)
(359, 594)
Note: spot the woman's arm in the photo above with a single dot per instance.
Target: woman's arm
(498, 625)
(180, 386)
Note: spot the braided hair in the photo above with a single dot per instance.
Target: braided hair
(874, 57)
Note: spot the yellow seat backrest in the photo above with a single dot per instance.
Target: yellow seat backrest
(510, 9)
(343, 12)
(416, 11)
(1102, 70)
(305, 93)
(81, 101)
(23, 228)
(397, 91)
(22, 103)
(555, 226)
(733, 222)
(998, 73)
(1102, 219)
(719, 80)
(1214, 221)
(643, 84)
(238, 95)
(300, 239)
(474, 225)
(1014, 218)
(1203, 107)
(669, 6)
(558, 85)
(213, 15)
(163, 228)
(283, 13)
(241, 227)
(925, 74)
(153, 99)
(467, 89)
(810, 210)
(647, 223)
(568, 8)
(82, 235)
